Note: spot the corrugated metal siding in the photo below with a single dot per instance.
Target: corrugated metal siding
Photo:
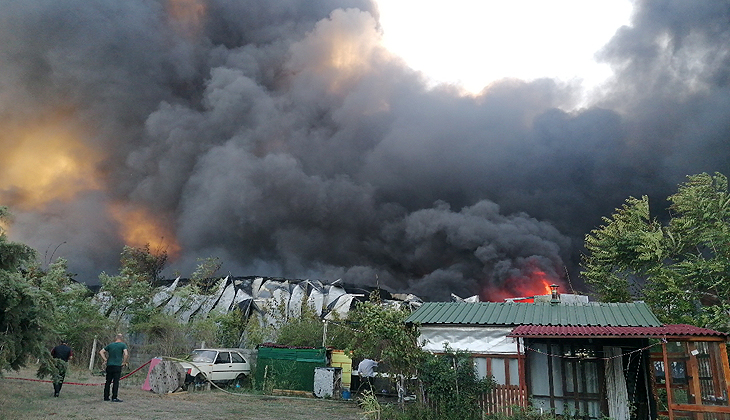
(540, 313)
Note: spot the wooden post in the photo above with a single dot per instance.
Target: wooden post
(694, 384)
(725, 367)
(667, 379)
(93, 356)
(521, 367)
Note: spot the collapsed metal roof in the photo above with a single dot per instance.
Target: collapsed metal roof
(266, 296)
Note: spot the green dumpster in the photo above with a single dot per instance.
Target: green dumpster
(289, 368)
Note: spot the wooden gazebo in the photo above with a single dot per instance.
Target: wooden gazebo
(691, 373)
(688, 365)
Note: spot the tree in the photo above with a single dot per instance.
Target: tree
(206, 269)
(303, 331)
(143, 263)
(617, 252)
(77, 318)
(307, 330)
(27, 311)
(130, 293)
(681, 267)
(380, 333)
(451, 385)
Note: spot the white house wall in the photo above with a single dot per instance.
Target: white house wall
(479, 340)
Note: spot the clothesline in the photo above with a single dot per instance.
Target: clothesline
(586, 357)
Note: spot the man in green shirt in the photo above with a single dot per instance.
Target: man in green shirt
(115, 356)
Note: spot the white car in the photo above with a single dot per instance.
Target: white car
(222, 366)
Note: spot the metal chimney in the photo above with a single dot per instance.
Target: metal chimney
(555, 296)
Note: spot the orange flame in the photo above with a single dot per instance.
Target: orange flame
(45, 162)
(139, 227)
(524, 288)
(546, 290)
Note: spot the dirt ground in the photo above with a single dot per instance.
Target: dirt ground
(31, 399)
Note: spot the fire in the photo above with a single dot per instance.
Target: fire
(45, 162)
(545, 283)
(533, 283)
(139, 227)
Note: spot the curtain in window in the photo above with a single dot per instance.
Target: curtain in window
(616, 392)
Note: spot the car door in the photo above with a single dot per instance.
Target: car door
(223, 368)
(240, 365)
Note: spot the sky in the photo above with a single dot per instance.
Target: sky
(308, 139)
(478, 42)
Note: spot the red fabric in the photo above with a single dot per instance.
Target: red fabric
(146, 385)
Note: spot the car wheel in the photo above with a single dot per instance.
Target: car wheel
(241, 381)
(200, 382)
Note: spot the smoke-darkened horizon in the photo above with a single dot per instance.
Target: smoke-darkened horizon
(284, 139)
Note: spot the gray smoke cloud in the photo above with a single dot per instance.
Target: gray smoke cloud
(282, 138)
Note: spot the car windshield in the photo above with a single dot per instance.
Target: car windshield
(207, 356)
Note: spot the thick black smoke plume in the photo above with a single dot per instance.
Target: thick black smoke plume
(281, 137)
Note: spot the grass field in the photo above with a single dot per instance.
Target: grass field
(23, 399)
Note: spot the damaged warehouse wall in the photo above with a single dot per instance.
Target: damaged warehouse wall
(264, 297)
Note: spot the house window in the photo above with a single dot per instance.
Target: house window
(565, 379)
(504, 370)
(480, 366)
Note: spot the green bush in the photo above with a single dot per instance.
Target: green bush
(373, 410)
(451, 386)
(521, 413)
(305, 331)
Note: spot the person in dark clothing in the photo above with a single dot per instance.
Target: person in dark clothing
(62, 353)
(115, 356)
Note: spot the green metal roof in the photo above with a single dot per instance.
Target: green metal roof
(636, 314)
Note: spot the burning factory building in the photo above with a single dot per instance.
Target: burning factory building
(287, 141)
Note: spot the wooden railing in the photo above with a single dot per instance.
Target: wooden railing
(503, 399)
(500, 399)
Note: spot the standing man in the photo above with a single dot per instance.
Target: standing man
(366, 370)
(62, 353)
(115, 356)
